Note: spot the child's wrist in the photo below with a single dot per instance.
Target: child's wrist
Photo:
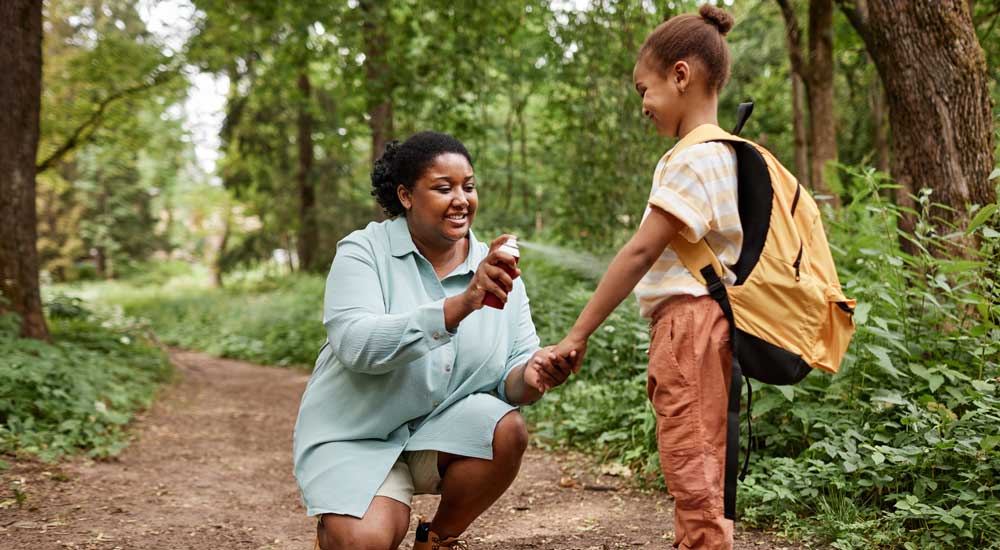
(578, 335)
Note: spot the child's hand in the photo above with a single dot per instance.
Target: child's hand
(572, 349)
(546, 370)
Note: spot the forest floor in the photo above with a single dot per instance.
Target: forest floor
(210, 467)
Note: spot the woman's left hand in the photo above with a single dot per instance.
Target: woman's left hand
(546, 369)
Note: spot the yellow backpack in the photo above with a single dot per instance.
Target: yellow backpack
(787, 313)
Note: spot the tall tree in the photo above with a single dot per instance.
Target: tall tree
(20, 102)
(816, 72)
(308, 234)
(378, 78)
(937, 85)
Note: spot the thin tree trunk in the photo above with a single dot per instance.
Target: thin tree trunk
(880, 124)
(799, 126)
(20, 102)
(508, 132)
(822, 115)
(378, 79)
(227, 222)
(940, 110)
(308, 235)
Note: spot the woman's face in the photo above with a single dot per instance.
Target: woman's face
(442, 203)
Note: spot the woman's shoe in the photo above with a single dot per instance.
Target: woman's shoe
(429, 540)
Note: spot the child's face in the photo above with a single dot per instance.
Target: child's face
(662, 96)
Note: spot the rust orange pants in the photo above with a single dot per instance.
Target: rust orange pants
(690, 367)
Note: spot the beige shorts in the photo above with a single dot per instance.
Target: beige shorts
(415, 473)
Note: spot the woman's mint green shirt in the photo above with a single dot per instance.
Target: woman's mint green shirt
(391, 377)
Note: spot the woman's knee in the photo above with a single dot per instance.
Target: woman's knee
(511, 435)
(341, 535)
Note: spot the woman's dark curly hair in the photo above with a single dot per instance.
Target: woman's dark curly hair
(403, 164)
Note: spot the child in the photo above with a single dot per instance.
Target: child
(681, 69)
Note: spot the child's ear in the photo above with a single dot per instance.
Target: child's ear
(681, 75)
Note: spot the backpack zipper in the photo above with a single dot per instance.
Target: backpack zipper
(798, 261)
(795, 201)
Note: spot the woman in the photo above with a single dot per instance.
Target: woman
(416, 387)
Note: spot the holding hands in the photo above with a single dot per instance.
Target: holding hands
(547, 369)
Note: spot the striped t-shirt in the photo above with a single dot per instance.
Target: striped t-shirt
(698, 186)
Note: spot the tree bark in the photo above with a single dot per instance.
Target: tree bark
(880, 129)
(20, 103)
(217, 268)
(816, 74)
(800, 129)
(378, 79)
(308, 235)
(937, 89)
(822, 114)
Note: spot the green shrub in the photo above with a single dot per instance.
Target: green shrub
(78, 393)
(270, 320)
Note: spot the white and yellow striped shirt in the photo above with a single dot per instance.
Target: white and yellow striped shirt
(698, 186)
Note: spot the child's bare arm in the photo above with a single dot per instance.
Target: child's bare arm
(629, 265)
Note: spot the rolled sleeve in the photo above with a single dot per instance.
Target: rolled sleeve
(680, 189)
(525, 343)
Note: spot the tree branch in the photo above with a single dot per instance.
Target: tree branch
(856, 18)
(984, 17)
(83, 132)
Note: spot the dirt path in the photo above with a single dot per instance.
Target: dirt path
(210, 468)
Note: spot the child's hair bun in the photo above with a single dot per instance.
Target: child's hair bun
(718, 17)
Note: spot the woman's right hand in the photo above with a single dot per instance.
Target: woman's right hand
(493, 276)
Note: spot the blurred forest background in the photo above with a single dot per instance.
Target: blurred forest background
(180, 172)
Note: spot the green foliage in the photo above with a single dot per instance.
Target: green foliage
(604, 410)
(267, 320)
(79, 393)
(109, 101)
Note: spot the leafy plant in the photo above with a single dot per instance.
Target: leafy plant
(78, 394)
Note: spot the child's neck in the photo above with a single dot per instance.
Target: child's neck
(705, 112)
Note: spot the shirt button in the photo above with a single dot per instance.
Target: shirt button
(436, 403)
(436, 336)
(447, 369)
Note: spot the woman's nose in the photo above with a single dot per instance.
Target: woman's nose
(460, 199)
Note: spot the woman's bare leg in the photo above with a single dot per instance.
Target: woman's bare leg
(383, 527)
(471, 485)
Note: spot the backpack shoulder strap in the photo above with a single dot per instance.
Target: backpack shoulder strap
(696, 256)
(702, 134)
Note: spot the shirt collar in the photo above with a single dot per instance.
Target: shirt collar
(401, 244)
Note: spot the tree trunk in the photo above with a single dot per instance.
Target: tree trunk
(378, 79)
(880, 128)
(227, 223)
(799, 126)
(817, 145)
(308, 235)
(20, 102)
(822, 115)
(940, 110)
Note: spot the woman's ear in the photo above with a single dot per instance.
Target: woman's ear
(405, 198)
(681, 76)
